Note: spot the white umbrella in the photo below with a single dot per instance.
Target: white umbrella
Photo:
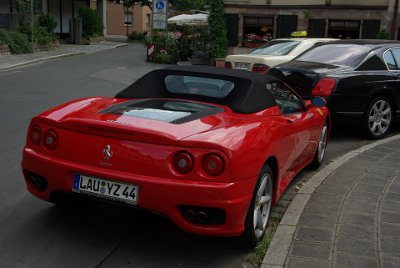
(186, 19)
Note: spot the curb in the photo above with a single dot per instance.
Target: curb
(279, 248)
(48, 58)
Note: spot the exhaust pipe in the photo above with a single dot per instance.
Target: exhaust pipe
(202, 216)
(189, 215)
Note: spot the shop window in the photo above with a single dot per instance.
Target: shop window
(344, 29)
(258, 28)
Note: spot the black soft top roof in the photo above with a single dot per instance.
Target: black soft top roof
(249, 94)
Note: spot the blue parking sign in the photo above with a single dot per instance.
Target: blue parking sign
(160, 5)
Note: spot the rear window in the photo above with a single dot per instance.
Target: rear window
(276, 48)
(193, 85)
(336, 54)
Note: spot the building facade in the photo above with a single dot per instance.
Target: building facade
(65, 12)
(124, 21)
(320, 18)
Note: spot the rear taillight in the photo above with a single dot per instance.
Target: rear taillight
(228, 65)
(35, 134)
(183, 162)
(213, 164)
(260, 68)
(324, 87)
(50, 140)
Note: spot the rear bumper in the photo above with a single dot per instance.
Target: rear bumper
(160, 195)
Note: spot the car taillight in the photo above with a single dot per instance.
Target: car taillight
(213, 164)
(183, 162)
(228, 65)
(35, 134)
(260, 68)
(50, 140)
(324, 87)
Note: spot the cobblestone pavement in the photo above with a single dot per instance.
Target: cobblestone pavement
(347, 215)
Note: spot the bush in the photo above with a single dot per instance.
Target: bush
(383, 34)
(42, 36)
(164, 57)
(92, 24)
(137, 36)
(17, 42)
(217, 24)
(48, 22)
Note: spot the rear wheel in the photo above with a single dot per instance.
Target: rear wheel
(259, 211)
(378, 118)
(322, 143)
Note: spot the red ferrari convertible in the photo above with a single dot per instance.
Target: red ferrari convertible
(210, 148)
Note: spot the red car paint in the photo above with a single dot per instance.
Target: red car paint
(143, 153)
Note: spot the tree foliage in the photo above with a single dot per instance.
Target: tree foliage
(217, 25)
(182, 5)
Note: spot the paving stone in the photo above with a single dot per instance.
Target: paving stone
(364, 196)
(346, 174)
(394, 188)
(356, 247)
(390, 230)
(389, 217)
(314, 234)
(367, 158)
(375, 179)
(392, 197)
(389, 262)
(386, 171)
(343, 182)
(359, 206)
(369, 188)
(390, 247)
(359, 219)
(306, 263)
(359, 165)
(318, 220)
(389, 206)
(322, 208)
(349, 261)
(332, 189)
(327, 198)
(310, 250)
(358, 232)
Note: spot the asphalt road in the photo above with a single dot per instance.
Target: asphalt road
(34, 233)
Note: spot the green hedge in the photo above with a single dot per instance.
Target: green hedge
(18, 42)
(92, 24)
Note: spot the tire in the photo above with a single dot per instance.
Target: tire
(257, 217)
(321, 148)
(378, 118)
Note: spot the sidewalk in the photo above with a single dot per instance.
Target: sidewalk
(346, 215)
(65, 50)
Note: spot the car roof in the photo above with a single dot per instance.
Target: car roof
(368, 42)
(248, 96)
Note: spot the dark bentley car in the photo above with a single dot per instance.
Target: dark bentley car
(360, 79)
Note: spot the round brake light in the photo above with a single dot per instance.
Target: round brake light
(35, 134)
(183, 162)
(50, 140)
(213, 164)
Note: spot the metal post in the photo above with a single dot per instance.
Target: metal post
(394, 19)
(32, 25)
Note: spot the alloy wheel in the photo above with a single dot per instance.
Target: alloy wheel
(380, 117)
(262, 206)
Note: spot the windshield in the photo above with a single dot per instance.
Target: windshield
(276, 48)
(336, 54)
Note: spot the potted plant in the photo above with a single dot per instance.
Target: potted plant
(217, 26)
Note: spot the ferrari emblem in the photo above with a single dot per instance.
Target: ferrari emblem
(107, 152)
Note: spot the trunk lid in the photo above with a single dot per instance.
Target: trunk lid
(303, 76)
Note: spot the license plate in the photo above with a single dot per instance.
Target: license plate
(242, 65)
(105, 189)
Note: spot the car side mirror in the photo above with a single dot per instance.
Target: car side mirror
(318, 102)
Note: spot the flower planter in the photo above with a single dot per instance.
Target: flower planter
(220, 62)
(45, 47)
(94, 40)
(4, 50)
(253, 44)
